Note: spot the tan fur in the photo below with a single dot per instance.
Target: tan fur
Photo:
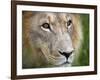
(41, 53)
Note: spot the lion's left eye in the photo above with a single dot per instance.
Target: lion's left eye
(69, 24)
(46, 27)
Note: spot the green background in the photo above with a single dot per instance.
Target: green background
(83, 59)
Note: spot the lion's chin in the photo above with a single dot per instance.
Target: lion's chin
(61, 61)
(63, 64)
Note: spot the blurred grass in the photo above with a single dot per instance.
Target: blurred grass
(83, 59)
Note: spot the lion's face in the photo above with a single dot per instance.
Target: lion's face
(55, 36)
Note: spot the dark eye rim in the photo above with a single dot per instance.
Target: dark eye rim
(46, 25)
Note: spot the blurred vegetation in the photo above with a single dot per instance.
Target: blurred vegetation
(83, 59)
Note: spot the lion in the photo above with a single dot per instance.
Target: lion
(50, 39)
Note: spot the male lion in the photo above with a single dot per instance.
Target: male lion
(50, 38)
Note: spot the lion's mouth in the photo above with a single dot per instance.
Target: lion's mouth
(61, 58)
(62, 61)
(67, 62)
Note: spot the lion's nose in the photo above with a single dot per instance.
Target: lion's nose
(66, 54)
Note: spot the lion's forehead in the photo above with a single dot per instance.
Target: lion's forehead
(52, 17)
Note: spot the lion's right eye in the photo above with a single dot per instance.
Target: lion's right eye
(45, 27)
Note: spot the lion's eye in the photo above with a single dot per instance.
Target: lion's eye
(69, 24)
(46, 27)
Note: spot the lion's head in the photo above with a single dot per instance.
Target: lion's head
(54, 38)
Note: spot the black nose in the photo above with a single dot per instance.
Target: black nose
(66, 54)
